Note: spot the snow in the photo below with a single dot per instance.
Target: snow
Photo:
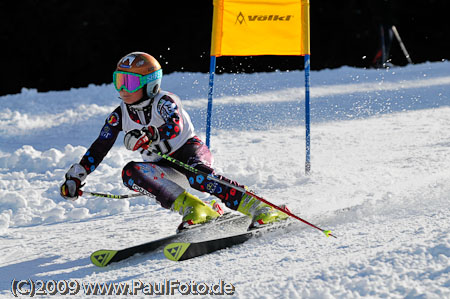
(380, 181)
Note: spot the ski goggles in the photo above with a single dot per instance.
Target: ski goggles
(133, 82)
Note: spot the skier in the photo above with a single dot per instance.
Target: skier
(154, 120)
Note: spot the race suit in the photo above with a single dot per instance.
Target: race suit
(153, 175)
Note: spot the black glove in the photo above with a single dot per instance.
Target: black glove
(70, 189)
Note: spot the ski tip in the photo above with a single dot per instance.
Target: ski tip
(101, 258)
(174, 251)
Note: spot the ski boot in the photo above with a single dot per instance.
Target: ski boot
(194, 211)
(260, 212)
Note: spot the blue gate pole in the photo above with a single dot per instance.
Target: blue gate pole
(307, 116)
(212, 70)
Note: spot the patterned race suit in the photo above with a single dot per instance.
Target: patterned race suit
(159, 177)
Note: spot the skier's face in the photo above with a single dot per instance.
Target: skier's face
(131, 97)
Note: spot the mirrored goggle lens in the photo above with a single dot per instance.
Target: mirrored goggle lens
(131, 82)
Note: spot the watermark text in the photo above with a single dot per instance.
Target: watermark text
(35, 288)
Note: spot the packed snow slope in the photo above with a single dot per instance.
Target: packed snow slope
(380, 181)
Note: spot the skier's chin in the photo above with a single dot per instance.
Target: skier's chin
(129, 100)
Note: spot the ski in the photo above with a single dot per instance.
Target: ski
(180, 251)
(104, 257)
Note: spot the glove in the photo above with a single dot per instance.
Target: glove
(136, 139)
(70, 189)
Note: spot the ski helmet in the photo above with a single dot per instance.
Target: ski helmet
(143, 64)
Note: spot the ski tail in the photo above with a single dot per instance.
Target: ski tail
(175, 251)
(101, 258)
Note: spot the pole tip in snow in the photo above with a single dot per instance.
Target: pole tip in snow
(328, 233)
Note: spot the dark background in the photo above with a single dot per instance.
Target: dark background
(56, 45)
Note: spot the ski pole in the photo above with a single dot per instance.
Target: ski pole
(402, 46)
(241, 189)
(110, 195)
(326, 232)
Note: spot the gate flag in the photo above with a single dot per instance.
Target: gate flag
(261, 27)
(258, 27)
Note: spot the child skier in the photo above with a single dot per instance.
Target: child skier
(154, 120)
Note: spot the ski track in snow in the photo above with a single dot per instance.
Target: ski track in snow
(380, 181)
